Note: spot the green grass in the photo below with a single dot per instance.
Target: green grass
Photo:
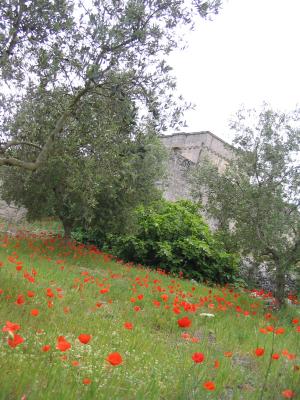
(157, 360)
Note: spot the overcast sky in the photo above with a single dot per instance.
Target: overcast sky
(248, 54)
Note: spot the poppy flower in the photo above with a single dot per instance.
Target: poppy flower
(288, 394)
(62, 344)
(15, 341)
(128, 325)
(137, 308)
(10, 327)
(114, 358)
(198, 357)
(228, 353)
(86, 381)
(295, 321)
(83, 338)
(259, 352)
(275, 356)
(20, 300)
(30, 293)
(34, 312)
(184, 322)
(46, 348)
(140, 296)
(209, 385)
(279, 331)
(298, 328)
(75, 363)
(216, 364)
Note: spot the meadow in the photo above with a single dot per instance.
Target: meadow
(78, 324)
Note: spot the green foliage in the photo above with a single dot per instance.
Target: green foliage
(117, 47)
(256, 200)
(173, 236)
(98, 172)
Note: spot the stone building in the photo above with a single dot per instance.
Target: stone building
(187, 150)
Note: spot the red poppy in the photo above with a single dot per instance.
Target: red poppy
(275, 356)
(83, 338)
(128, 325)
(279, 331)
(137, 308)
(114, 358)
(34, 312)
(140, 296)
(209, 385)
(228, 353)
(15, 341)
(259, 352)
(49, 293)
(216, 364)
(86, 381)
(198, 357)
(298, 328)
(10, 327)
(288, 394)
(62, 344)
(295, 321)
(46, 348)
(184, 322)
(20, 300)
(30, 293)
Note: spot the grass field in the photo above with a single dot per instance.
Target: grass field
(76, 324)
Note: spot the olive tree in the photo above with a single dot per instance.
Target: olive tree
(256, 199)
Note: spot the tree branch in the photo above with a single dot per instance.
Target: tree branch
(5, 146)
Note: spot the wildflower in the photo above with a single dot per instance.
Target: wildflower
(209, 385)
(184, 322)
(228, 353)
(198, 357)
(83, 338)
(128, 325)
(259, 352)
(75, 363)
(295, 321)
(114, 358)
(20, 300)
(10, 327)
(288, 394)
(46, 348)
(275, 356)
(62, 344)
(34, 312)
(279, 331)
(86, 381)
(15, 341)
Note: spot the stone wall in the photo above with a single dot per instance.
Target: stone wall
(187, 150)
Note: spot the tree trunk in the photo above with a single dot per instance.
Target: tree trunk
(280, 285)
(67, 228)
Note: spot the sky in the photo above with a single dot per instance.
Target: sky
(248, 54)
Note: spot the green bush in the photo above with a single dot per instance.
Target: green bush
(174, 237)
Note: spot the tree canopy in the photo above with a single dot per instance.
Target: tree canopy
(80, 47)
(100, 169)
(256, 200)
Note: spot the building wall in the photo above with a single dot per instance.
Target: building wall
(187, 150)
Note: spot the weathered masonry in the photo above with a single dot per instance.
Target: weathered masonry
(187, 150)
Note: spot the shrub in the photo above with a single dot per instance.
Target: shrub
(173, 236)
